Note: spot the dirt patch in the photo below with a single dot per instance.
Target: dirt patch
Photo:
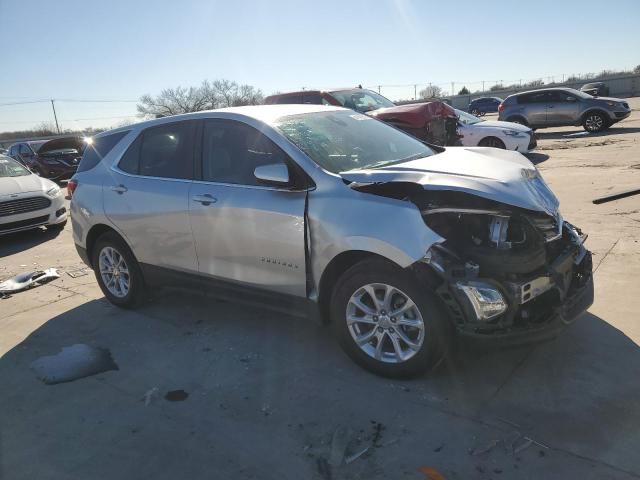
(569, 144)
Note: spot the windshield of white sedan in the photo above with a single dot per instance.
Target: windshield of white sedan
(466, 118)
(345, 140)
(11, 168)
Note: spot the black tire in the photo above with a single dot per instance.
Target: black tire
(475, 112)
(518, 120)
(595, 121)
(492, 142)
(135, 294)
(58, 227)
(435, 342)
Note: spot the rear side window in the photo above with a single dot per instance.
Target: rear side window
(289, 99)
(165, 151)
(538, 97)
(312, 99)
(95, 151)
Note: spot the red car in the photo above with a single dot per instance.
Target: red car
(434, 122)
(55, 159)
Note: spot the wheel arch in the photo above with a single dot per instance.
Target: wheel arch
(333, 271)
(599, 110)
(522, 119)
(96, 232)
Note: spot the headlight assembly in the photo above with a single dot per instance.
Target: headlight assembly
(54, 191)
(514, 133)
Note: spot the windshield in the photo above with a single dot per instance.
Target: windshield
(35, 146)
(11, 168)
(466, 118)
(341, 140)
(362, 100)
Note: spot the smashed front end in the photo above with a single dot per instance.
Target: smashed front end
(506, 271)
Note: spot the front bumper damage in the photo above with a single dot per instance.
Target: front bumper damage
(517, 308)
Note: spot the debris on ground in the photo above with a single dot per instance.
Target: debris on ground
(27, 280)
(78, 273)
(355, 456)
(486, 448)
(431, 473)
(266, 411)
(339, 444)
(176, 396)
(148, 396)
(522, 445)
(72, 363)
(616, 196)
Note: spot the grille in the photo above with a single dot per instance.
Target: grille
(625, 104)
(550, 227)
(23, 205)
(4, 227)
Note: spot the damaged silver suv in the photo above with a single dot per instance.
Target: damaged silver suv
(401, 246)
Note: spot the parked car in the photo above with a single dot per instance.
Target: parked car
(559, 107)
(400, 246)
(28, 201)
(56, 159)
(3, 151)
(483, 133)
(595, 89)
(480, 106)
(434, 122)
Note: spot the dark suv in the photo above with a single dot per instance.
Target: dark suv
(56, 159)
(480, 106)
(560, 107)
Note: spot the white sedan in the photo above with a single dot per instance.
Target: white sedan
(487, 133)
(27, 200)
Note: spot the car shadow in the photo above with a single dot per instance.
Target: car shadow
(251, 375)
(581, 133)
(536, 158)
(12, 243)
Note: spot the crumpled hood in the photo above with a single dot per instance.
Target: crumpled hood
(414, 115)
(606, 99)
(16, 185)
(62, 143)
(500, 175)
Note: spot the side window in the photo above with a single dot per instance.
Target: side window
(287, 99)
(312, 99)
(231, 152)
(555, 96)
(130, 161)
(13, 150)
(24, 148)
(98, 149)
(167, 151)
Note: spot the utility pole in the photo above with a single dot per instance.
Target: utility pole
(453, 88)
(55, 116)
(378, 89)
(415, 92)
(483, 86)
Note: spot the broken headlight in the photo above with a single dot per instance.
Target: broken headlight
(485, 300)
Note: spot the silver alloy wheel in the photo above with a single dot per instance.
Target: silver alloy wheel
(114, 272)
(594, 122)
(385, 323)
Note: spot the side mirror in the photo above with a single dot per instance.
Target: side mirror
(276, 175)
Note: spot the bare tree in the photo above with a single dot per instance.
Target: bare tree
(209, 95)
(432, 91)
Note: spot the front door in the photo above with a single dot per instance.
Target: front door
(562, 108)
(246, 232)
(146, 196)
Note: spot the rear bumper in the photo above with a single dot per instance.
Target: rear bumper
(82, 253)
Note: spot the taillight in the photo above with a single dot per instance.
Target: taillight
(71, 187)
(501, 107)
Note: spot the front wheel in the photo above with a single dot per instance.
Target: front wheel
(117, 271)
(386, 321)
(595, 122)
(475, 112)
(492, 142)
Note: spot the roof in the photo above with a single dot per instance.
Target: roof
(264, 113)
(543, 90)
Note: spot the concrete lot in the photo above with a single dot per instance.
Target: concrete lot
(267, 392)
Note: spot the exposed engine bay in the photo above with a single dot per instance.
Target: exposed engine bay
(501, 269)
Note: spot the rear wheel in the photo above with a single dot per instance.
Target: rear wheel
(117, 271)
(595, 122)
(475, 111)
(386, 321)
(492, 142)
(518, 120)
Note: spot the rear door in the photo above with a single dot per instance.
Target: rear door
(246, 232)
(562, 108)
(147, 196)
(535, 107)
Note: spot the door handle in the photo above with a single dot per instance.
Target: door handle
(119, 189)
(205, 199)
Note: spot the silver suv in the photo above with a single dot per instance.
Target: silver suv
(559, 107)
(399, 245)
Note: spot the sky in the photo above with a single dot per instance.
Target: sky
(116, 51)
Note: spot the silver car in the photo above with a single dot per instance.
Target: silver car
(558, 107)
(400, 246)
